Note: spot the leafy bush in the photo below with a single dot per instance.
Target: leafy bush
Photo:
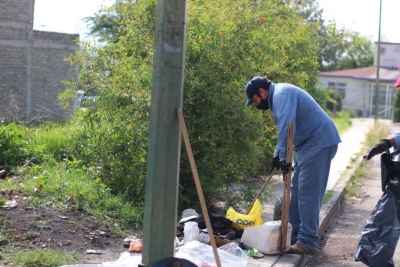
(335, 98)
(12, 146)
(227, 43)
(49, 141)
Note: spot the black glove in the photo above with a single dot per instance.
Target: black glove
(275, 164)
(286, 167)
(381, 147)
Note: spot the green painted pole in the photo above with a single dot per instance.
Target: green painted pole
(162, 178)
(378, 66)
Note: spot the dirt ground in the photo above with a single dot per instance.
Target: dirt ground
(73, 231)
(67, 230)
(339, 244)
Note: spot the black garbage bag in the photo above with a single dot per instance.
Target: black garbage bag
(220, 225)
(381, 233)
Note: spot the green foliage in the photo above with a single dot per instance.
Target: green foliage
(244, 197)
(343, 49)
(30, 234)
(65, 183)
(62, 180)
(5, 228)
(227, 42)
(378, 132)
(396, 112)
(19, 143)
(48, 141)
(335, 101)
(42, 258)
(342, 121)
(12, 145)
(105, 23)
(340, 48)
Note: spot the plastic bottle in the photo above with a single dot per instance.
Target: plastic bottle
(191, 232)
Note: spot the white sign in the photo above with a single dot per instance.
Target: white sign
(390, 55)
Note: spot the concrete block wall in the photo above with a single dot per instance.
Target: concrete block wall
(16, 22)
(19, 11)
(49, 69)
(32, 65)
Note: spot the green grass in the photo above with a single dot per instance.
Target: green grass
(378, 132)
(30, 234)
(342, 121)
(4, 230)
(327, 196)
(41, 224)
(352, 186)
(42, 258)
(48, 141)
(60, 184)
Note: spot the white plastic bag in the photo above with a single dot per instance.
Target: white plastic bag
(191, 232)
(230, 255)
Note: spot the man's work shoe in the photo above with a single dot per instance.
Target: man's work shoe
(300, 249)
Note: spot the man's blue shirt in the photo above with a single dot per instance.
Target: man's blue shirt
(313, 128)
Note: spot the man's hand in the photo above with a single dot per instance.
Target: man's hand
(286, 167)
(275, 164)
(381, 147)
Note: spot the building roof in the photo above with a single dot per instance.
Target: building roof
(368, 73)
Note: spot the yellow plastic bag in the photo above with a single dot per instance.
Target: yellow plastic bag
(242, 221)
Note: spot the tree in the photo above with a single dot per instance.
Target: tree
(357, 53)
(340, 48)
(105, 23)
(343, 49)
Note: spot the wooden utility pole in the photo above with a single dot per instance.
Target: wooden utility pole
(162, 177)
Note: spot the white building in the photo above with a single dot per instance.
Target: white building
(358, 85)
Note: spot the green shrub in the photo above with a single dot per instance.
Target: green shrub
(12, 145)
(49, 141)
(43, 258)
(335, 98)
(227, 43)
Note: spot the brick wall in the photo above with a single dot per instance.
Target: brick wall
(32, 65)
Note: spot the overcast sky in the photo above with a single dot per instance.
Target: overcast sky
(359, 15)
(65, 15)
(363, 16)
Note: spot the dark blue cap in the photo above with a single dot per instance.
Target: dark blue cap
(253, 87)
